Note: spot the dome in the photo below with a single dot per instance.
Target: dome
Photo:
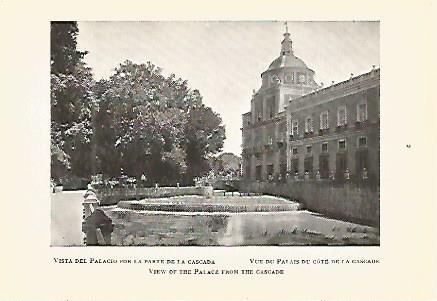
(287, 61)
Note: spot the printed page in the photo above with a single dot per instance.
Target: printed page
(228, 151)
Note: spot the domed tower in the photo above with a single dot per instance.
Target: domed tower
(265, 126)
(288, 75)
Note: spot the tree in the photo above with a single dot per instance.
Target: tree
(72, 102)
(204, 134)
(63, 47)
(226, 163)
(152, 124)
(133, 127)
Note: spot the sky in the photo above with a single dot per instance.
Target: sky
(224, 59)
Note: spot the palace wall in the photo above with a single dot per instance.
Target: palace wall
(351, 201)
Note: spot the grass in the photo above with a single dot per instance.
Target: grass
(137, 228)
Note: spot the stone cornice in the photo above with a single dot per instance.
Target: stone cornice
(269, 90)
(278, 118)
(351, 86)
(296, 69)
(273, 89)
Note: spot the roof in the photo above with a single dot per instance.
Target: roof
(287, 61)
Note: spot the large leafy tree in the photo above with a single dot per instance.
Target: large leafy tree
(152, 124)
(72, 101)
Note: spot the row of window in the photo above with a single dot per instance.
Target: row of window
(324, 168)
(290, 78)
(270, 110)
(341, 164)
(361, 142)
(324, 119)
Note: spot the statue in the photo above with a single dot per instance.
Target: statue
(347, 174)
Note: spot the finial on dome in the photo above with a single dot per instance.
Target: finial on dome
(286, 45)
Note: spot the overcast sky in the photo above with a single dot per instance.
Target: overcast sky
(224, 60)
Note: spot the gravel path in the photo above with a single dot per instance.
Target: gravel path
(66, 218)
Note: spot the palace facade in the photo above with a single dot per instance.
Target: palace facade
(298, 129)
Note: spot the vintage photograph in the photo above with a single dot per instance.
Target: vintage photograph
(215, 133)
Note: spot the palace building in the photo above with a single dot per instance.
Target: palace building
(300, 130)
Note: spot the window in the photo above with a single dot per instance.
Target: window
(362, 141)
(341, 144)
(271, 106)
(361, 161)
(324, 166)
(324, 147)
(274, 80)
(341, 165)
(362, 112)
(324, 121)
(270, 169)
(308, 125)
(308, 164)
(258, 172)
(259, 108)
(295, 128)
(341, 116)
(294, 150)
(289, 78)
(295, 165)
(309, 149)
